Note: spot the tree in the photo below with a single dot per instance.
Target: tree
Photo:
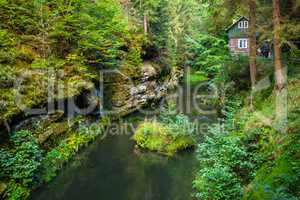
(277, 49)
(252, 36)
(146, 11)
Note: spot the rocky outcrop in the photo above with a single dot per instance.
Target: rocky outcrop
(124, 94)
(125, 91)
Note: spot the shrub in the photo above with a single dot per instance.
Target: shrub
(57, 157)
(179, 124)
(172, 132)
(22, 162)
(16, 191)
(161, 138)
(20, 165)
(208, 53)
(276, 179)
(217, 182)
(224, 164)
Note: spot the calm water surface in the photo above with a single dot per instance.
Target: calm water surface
(111, 169)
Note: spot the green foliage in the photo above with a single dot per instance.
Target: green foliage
(247, 159)
(277, 180)
(173, 132)
(159, 137)
(237, 69)
(196, 77)
(70, 38)
(224, 164)
(22, 163)
(178, 123)
(8, 53)
(7, 76)
(208, 53)
(25, 166)
(58, 156)
(167, 27)
(217, 183)
(16, 191)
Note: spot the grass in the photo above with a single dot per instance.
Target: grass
(158, 137)
(196, 77)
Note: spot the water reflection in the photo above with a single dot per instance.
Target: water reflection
(113, 170)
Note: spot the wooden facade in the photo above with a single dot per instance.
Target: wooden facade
(238, 35)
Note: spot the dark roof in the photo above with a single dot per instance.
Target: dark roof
(240, 19)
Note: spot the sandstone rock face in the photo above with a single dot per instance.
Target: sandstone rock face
(125, 91)
(124, 94)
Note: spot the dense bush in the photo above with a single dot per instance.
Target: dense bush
(24, 165)
(93, 31)
(171, 133)
(244, 158)
(22, 162)
(16, 191)
(224, 164)
(159, 137)
(276, 179)
(178, 123)
(20, 165)
(208, 53)
(228, 157)
(237, 69)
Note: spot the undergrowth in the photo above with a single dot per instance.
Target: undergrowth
(168, 135)
(247, 156)
(25, 164)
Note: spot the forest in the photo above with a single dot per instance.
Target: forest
(150, 99)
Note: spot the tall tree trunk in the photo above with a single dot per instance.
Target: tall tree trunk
(145, 23)
(277, 49)
(281, 92)
(252, 36)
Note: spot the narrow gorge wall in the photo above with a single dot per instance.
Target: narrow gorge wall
(126, 91)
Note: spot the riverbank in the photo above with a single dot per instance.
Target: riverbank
(114, 169)
(58, 138)
(254, 153)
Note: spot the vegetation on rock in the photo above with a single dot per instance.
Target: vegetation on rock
(53, 50)
(27, 164)
(169, 135)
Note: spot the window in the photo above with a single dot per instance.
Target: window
(243, 43)
(243, 24)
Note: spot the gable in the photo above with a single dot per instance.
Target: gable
(239, 28)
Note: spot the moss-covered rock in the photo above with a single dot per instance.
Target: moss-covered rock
(158, 137)
(128, 89)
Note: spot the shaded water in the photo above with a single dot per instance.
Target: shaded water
(111, 169)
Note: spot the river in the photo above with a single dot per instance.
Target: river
(111, 169)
